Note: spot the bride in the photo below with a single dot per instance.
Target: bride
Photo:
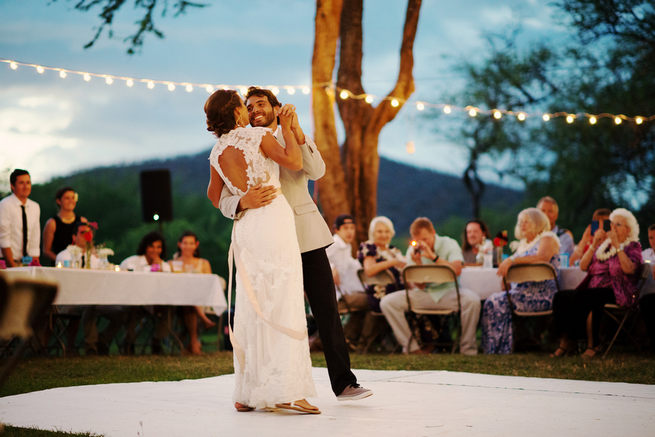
(272, 365)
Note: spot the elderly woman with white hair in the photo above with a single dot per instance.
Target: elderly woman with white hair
(537, 244)
(611, 262)
(377, 254)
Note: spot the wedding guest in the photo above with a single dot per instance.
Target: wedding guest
(59, 229)
(537, 244)
(376, 255)
(149, 258)
(476, 239)
(188, 256)
(601, 216)
(647, 297)
(349, 289)
(611, 263)
(20, 230)
(433, 249)
(94, 342)
(549, 206)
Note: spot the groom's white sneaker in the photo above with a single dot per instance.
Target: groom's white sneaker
(354, 392)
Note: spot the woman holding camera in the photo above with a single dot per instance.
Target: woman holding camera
(612, 262)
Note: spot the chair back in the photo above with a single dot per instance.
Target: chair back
(384, 277)
(646, 280)
(436, 274)
(534, 272)
(22, 302)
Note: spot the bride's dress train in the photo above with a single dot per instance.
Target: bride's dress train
(271, 353)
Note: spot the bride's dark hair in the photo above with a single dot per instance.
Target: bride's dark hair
(219, 109)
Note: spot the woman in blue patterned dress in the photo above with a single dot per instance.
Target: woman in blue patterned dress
(537, 244)
(377, 254)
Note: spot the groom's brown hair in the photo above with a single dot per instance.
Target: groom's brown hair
(263, 92)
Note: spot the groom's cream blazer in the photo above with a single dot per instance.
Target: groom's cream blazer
(311, 229)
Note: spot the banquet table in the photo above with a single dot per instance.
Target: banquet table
(108, 287)
(485, 282)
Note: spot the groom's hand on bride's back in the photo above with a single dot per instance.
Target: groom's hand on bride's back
(257, 196)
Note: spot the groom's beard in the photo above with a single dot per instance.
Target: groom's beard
(262, 119)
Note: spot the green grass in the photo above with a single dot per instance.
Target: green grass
(41, 373)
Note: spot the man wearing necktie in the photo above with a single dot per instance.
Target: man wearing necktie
(20, 230)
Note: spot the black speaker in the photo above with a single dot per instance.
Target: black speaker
(156, 201)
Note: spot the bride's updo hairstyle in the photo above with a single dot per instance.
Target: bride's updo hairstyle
(219, 109)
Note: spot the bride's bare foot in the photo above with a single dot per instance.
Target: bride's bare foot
(301, 405)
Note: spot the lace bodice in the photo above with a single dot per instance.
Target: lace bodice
(260, 169)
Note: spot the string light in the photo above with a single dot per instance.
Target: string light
(329, 87)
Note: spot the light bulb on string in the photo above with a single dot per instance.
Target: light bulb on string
(545, 117)
(639, 120)
(62, 74)
(275, 90)
(13, 65)
(410, 147)
(290, 90)
(395, 103)
(497, 114)
(39, 69)
(87, 77)
(420, 106)
(343, 94)
(209, 89)
(472, 112)
(592, 120)
(617, 120)
(171, 86)
(305, 90)
(570, 118)
(129, 83)
(521, 116)
(151, 84)
(188, 88)
(109, 80)
(368, 99)
(447, 109)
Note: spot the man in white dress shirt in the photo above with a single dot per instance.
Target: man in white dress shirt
(20, 231)
(350, 291)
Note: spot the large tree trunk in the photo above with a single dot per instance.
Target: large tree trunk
(353, 187)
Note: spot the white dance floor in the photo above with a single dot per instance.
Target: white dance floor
(406, 403)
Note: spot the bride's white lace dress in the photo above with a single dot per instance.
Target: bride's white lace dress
(271, 351)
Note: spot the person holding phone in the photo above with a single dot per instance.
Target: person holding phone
(599, 220)
(612, 262)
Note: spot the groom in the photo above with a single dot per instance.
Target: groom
(313, 237)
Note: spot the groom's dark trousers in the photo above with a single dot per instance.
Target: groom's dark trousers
(320, 290)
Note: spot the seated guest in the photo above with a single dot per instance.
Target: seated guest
(188, 255)
(94, 343)
(476, 241)
(58, 230)
(149, 258)
(20, 230)
(537, 244)
(433, 249)
(349, 289)
(377, 254)
(600, 216)
(611, 263)
(549, 206)
(647, 297)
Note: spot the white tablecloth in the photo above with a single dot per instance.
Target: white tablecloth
(107, 287)
(485, 282)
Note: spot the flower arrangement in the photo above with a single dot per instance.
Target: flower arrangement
(501, 239)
